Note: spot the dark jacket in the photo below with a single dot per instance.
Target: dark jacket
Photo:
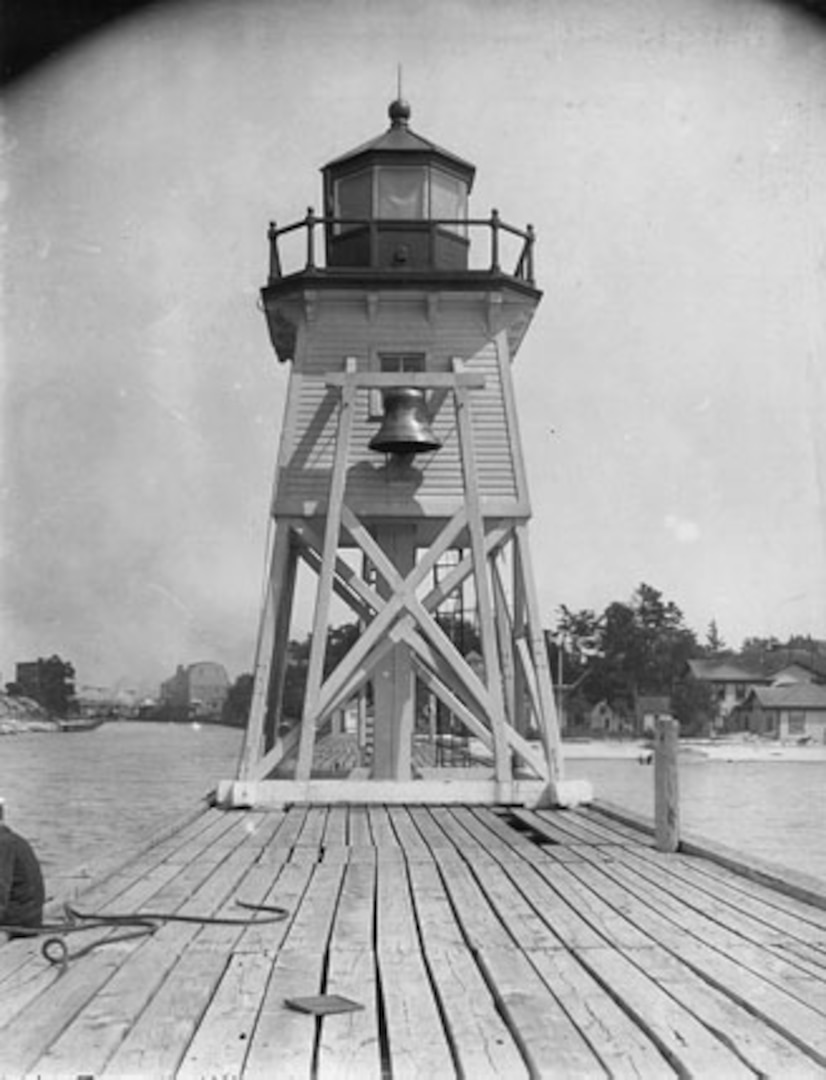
(21, 881)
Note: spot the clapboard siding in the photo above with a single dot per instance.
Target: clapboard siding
(311, 415)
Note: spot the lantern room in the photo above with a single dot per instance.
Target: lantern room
(398, 202)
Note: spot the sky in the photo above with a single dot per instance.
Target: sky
(671, 389)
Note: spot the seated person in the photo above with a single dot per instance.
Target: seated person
(21, 883)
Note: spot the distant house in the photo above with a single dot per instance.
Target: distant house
(730, 683)
(796, 672)
(603, 720)
(802, 665)
(648, 708)
(199, 690)
(795, 711)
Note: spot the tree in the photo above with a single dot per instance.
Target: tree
(692, 703)
(714, 643)
(340, 639)
(237, 705)
(643, 647)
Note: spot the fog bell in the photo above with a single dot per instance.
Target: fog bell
(405, 429)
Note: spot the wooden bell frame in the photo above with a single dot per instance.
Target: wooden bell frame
(495, 707)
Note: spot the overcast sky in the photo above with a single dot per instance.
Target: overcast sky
(672, 388)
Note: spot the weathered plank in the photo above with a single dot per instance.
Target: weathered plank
(358, 827)
(739, 885)
(548, 1039)
(183, 961)
(283, 1040)
(313, 827)
(199, 888)
(408, 835)
(483, 1045)
(719, 928)
(781, 913)
(291, 825)
(760, 1046)
(349, 1044)
(748, 986)
(685, 1042)
(417, 1040)
(623, 1048)
(381, 827)
(282, 1036)
(225, 1031)
(35, 975)
(713, 905)
(475, 951)
(481, 1042)
(335, 832)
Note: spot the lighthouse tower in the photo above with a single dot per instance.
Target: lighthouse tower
(400, 486)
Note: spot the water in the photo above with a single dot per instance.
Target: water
(87, 800)
(774, 810)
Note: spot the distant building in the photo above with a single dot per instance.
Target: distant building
(795, 711)
(730, 682)
(603, 720)
(796, 672)
(198, 691)
(29, 679)
(648, 709)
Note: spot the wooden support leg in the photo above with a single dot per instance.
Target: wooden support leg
(548, 722)
(502, 758)
(270, 648)
(318, 644)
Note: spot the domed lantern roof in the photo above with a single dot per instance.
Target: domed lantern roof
(398, 202)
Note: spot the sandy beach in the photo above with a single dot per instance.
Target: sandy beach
(722, 749)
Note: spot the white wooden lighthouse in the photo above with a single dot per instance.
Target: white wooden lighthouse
(400, 484)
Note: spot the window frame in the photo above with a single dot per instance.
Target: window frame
(380, 360)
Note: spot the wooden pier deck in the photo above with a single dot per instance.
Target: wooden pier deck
(479, 942)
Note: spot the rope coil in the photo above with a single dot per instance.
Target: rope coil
(55, 948)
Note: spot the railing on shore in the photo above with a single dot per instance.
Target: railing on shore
(497, 231)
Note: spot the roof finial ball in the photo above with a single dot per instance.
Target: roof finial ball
(399, 113)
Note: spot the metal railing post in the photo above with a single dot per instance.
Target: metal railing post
(275, 258)
(529, 259)
(310, 219)
(494, 241)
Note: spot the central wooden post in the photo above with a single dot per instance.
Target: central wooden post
(394, 682)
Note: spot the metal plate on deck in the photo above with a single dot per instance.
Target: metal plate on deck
(322, 1004)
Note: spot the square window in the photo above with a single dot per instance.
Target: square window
(353, 196)
(448, 200)
(401, 193)
(391, 362)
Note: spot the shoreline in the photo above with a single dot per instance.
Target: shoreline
(726, 750)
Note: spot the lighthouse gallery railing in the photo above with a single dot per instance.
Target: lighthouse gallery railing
(493, 226)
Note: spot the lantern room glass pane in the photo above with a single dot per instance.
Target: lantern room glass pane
(448, 199)
(401, 193)
(353, 198)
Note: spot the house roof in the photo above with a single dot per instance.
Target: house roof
(710, 670)
(810, 660)
(792, 696)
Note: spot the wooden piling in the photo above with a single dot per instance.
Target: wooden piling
(666, 784)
